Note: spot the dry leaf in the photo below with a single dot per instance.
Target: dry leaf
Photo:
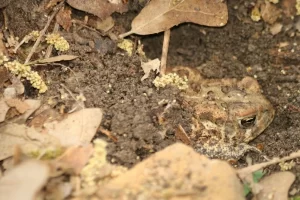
(47, 115)
(57, 59)
(30, 140)
(150, 65)
(63, 18)
(3, 110)
(17, 84)
(276, 28)
(76, 157)
(100, 8)
(288, 7)
(3, 49)
(161, 15)
(269, 12)
(78, 128)
(3, 75)
(276, 186)
(24, 181)
(21, 106)
(52, 3)
(33, 105)
(102, 25)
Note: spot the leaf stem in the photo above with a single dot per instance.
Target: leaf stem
(125, 34)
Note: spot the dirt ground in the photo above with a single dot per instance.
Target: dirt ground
(110, 79)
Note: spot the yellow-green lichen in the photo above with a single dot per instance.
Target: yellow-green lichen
(274, 1)
(46, 154)
(126, 45)
(59, 42)
(3, 58)
(298, 7)
(98, 170)
(171, 79)
(25, 71)
(255, 14)
(96, 162)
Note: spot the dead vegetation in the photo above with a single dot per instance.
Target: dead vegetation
(58, 142)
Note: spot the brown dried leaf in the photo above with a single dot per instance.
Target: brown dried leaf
(21, 106)
(276, 186)
(24, 181)
(150, 65)
(102, 25)
(288, 7)
(3, 110)
(57, 59)
(161, 15)
(63, 18)
(3, 75)
(76, 157)
(33, 105)
(100, 8)
(78, 128)
(269, 12)
(30, 140)
(48, 115)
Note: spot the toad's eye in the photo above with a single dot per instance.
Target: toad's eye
(248, 122)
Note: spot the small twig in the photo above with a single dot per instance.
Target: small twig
(164, 55)
(50, 47)
(244, 172)
(182, 135)
(42, 33)
(85, 26)
(78, 103)
(108, 134)
(25, 39)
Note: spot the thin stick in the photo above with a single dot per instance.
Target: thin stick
(50, 47)
(108, 134)
(42, 33)
(164, 55)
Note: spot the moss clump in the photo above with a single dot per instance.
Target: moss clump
(59, 42)
(171, 79)
(25, 71)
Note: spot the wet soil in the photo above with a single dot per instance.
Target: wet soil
(110, 79)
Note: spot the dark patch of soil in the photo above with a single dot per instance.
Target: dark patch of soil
(110, 79)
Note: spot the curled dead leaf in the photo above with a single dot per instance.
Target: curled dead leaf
(150, 65)
(161, 15)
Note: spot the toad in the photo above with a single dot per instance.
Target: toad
(227, 113)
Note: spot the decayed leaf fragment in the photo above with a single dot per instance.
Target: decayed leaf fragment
(276, 186)
(24, 181)
(27, 138)
(63, 18)
(78, 128)
(161, 15)
(148, 66)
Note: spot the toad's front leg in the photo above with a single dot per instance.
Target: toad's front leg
(225, 151)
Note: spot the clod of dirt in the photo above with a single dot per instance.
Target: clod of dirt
(177, 172)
